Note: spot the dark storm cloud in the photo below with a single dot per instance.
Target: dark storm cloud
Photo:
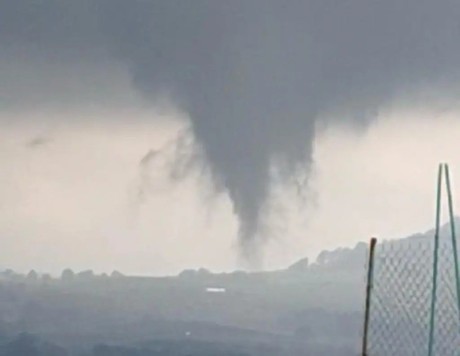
(178, 157)
(255, 76)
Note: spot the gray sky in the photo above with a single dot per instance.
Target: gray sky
(153, 136)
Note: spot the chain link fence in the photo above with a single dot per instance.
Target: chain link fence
(401, 300)
(414, 306)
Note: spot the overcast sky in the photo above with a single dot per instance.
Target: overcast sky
(156, 136)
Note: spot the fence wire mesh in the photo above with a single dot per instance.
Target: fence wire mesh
(401, 299)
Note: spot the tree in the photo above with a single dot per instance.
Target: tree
(67, 275)
(32, 276)
(299, 266)
(46, 278)
(24, 344)
(116, 274)
(85, 275)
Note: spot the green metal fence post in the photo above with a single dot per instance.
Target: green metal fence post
(435, 263)
(454, 236)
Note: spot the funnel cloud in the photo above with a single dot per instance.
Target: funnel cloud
(255, 77)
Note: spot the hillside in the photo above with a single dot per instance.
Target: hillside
(316, 306)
